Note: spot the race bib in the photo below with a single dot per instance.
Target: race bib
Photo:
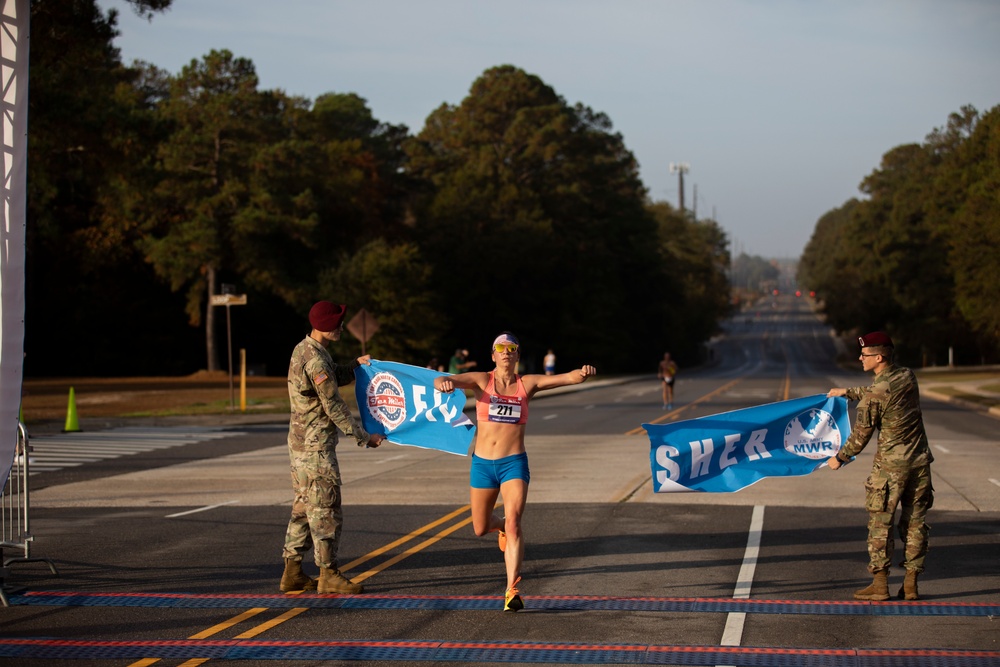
(504, 409)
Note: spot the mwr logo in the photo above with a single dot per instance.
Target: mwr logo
(813, 434)
(386, 400)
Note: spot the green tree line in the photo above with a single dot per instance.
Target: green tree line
(919, 257)
(150, 191)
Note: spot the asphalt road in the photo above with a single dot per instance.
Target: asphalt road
(172, 556)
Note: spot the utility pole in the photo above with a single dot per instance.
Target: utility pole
(680, 168)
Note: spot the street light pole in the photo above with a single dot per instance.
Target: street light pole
(680, 168)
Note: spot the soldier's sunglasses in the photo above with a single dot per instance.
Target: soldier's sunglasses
(505, 347)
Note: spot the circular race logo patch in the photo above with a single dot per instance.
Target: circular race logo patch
(386, 401)
(813, 434)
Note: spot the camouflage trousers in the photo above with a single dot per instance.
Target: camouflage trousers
(910, 490)
(316, 510)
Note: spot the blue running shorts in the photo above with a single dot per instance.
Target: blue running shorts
(491, 473)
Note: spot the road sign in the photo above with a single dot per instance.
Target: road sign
(362, 326)
(228, 300)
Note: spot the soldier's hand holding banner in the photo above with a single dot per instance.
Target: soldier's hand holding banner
(732, 450)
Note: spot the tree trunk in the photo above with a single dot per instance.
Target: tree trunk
(211, 352)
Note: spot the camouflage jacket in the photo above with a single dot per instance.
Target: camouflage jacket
(892, 405)
(317, 406)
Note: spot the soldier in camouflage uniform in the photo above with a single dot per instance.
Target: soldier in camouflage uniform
(901, 473)
(317, 410)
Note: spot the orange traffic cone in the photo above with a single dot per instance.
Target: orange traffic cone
(71, 422)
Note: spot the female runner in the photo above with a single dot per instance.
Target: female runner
(499, 462)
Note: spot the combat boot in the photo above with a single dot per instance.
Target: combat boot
(332, 581)
(294, 579)
(878, 591)
(908, 591)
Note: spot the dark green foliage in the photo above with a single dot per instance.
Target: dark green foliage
(919, 257)
(88, 131)
(534, 215)
(512, 210)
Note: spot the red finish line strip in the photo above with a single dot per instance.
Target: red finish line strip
(482, 602)
(538, 652)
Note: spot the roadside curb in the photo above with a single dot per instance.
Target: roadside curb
(993, 411)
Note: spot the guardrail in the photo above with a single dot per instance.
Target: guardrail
(15, 510)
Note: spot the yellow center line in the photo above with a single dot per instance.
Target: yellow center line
(204, 634)
(292, 613)
(412, 550)
(277, 620)
(406, 538)
(640, 430)
(225, 625)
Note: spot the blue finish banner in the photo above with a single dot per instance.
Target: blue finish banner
(732, 450)
(400, 402)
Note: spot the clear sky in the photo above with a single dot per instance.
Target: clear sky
(780, 107)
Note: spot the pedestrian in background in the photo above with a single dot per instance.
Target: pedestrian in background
(460, 362)
(499, 462)
(901, 473)
(550, 362)
(318, 410)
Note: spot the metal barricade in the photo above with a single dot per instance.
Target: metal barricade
(15, 508)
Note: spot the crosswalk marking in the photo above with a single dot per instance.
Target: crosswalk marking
(68, 450)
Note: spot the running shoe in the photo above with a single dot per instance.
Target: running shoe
(502, 540)
(511, 599)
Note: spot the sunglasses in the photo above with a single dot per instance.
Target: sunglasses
(505, 347)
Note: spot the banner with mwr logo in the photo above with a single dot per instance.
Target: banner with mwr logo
(732, 450)
(399, 401)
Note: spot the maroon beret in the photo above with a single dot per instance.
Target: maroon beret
(326, 316)
(875, 338)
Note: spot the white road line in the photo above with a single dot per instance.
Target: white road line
(79, 451)
(552, 416)
(995, 481)
(41, 467)
(589, 407)
(50, 452)
(201, 509)
(733, 634)
(943, 449)
(59, 458)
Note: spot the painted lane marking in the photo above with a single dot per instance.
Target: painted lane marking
(201, 509)
(733, 634)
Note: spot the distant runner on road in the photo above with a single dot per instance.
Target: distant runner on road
(666, 372)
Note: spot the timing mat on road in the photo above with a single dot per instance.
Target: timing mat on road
(494, 603)
(461, 651)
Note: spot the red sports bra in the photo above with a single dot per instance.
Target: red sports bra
(501, 408)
